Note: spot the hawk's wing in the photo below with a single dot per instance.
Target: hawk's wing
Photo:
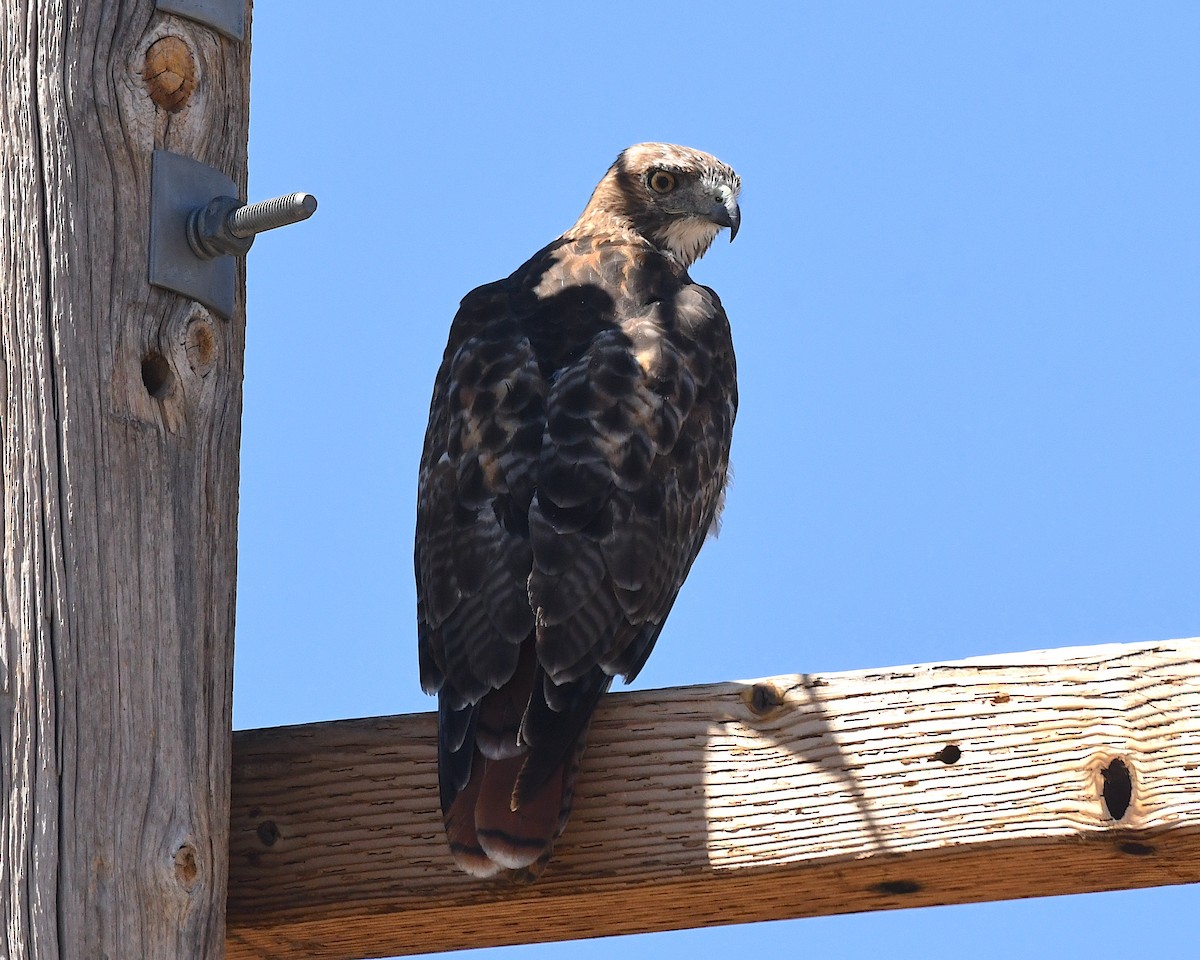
(477, 478)
(576, 456)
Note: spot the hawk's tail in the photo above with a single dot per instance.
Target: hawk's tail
(508, 766)
(489, 832)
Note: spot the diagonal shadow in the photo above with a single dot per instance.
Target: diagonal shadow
(720, 776)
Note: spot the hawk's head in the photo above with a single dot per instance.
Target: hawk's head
(675, 197)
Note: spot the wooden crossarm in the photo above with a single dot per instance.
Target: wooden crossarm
(1055, 772)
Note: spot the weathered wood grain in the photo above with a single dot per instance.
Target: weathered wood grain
(795, 796)
(121, 408)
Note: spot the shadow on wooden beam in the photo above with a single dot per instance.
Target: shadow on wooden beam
(1062, 771)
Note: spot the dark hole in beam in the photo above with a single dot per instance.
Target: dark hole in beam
(1135, 849)
(950, 753)
(156, 375)
(890, 888)
(1118, 788)
(268, 833)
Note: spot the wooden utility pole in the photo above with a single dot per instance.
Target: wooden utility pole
(120, 406)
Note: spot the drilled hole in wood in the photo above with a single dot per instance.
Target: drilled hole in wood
(1117, 791)
(157, 376)
(950, 753)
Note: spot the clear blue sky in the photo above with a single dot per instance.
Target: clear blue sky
(966, 305)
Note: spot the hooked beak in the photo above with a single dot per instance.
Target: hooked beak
(726, 213)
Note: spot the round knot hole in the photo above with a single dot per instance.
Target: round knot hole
(950, 753)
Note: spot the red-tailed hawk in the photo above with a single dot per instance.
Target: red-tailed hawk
(575, 460)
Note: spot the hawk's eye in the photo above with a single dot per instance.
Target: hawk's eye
(662, 182)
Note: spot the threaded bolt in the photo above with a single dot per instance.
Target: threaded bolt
(269, 214)
(227, 226)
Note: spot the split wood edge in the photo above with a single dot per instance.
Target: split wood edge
(1061, 771)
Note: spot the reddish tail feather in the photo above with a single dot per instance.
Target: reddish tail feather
(489, 832)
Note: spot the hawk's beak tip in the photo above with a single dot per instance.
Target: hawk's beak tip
(725, 212)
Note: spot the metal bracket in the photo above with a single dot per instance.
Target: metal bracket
(198, 225)
(179, 185)
(224, 16)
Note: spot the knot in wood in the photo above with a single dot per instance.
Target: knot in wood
(170, 73)
(187, 870)
(764, 699)
(201, 346)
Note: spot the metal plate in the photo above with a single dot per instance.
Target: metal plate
(225, 16)
(178, 186)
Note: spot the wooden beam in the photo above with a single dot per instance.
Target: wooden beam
(1062, 771)
(120, 414)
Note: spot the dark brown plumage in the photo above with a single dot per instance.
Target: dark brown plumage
(575, 460)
